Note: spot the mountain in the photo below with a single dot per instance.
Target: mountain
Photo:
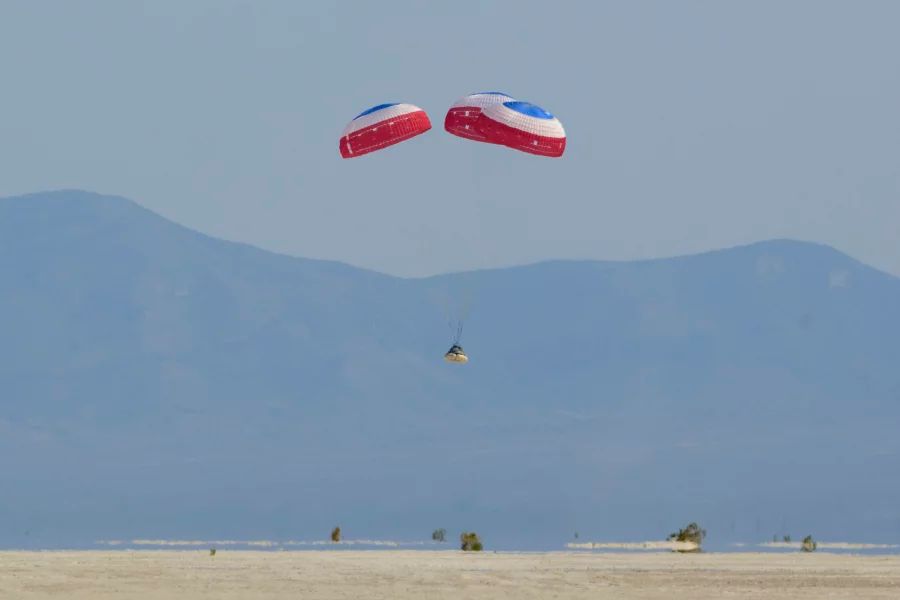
(156, 382)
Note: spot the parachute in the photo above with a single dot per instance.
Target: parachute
(463, 115)
(382, 126)
(488, 117)
(522, 126)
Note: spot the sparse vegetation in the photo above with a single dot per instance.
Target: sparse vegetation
(693, 533)
(808, 544)
(470, 542)
(336, 534)
(439, 535)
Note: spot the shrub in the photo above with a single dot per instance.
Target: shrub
(470, 542)
(336, 534)
(693, 533)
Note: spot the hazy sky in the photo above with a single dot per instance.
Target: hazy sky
(692, 125)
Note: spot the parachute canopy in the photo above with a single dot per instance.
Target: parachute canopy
(463, 115)
(456, 355)
(382, 126)
(522, 126)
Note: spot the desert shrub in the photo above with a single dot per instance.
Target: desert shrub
(470, 542)
(336, 534)
(809, 544)
(692, 533)
(439, 535)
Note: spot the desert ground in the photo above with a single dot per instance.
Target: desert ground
(187, 575)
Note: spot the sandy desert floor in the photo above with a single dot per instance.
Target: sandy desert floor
(187, 575)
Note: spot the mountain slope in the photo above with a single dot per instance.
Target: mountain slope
(155, 381)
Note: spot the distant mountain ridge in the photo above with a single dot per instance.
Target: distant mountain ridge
(156, 382)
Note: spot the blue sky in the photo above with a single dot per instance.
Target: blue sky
(692, 125)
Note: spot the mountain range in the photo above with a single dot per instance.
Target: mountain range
(156, 382)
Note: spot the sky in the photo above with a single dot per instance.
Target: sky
(691, 125)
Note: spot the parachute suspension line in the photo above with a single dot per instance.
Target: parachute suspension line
(456, 329)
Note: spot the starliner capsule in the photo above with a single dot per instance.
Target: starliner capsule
(456, 355)
(382, 126)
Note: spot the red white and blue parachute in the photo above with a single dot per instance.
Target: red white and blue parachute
(463, 115)
(522, 126)
(382, 126)
(490, 117)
